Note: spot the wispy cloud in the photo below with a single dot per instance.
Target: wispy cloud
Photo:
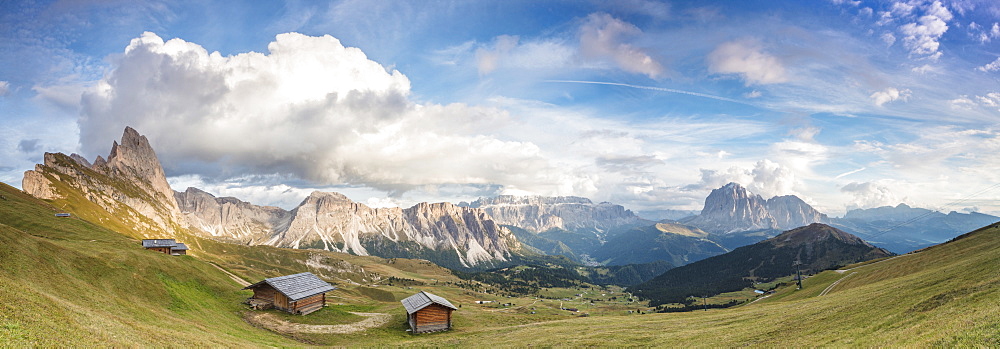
(652, 88)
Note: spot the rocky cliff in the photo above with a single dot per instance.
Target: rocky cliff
(230, 217)
(732, 209)
(445, 233)
(130, 184)
(540, 213)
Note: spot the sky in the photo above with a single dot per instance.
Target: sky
(647, 104)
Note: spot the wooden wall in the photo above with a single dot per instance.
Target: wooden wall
(310, 304)
(160, 249)
(265, 292)
(434, 317)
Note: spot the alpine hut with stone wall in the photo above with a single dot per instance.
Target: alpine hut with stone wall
(301, 293)
(426, 312)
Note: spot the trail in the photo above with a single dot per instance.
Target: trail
(271, 322)
(238, 280)
(841, 271)
(828, 288)
(755, 300)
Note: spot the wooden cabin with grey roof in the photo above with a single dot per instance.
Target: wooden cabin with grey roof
(168, 246)
(301, 293)
(427, 312)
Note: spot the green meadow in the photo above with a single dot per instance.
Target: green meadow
(69, 282)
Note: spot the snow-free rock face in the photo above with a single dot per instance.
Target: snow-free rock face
(230, 217)
(733, 209)
(789, 212)
(130, 184)
(444, 233)
(333, 222)
(540, 213)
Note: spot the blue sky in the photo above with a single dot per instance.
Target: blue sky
(648, 104)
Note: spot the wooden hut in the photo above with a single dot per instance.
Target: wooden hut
(301, 293)
(168, 246)
(428, 313)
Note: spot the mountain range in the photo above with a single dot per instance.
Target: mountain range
(488, 232)
(132, 186)
(811, 249)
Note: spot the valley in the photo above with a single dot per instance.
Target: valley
(516, 280)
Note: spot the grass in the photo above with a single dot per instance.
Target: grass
(67, 282)
(946, 296)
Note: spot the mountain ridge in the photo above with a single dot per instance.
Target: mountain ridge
(811, 249)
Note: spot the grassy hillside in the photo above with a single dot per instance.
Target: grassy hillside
(813, 248)
(66, 282)
(948, 295)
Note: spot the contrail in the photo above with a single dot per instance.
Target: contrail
(661, 89)
(850, 173)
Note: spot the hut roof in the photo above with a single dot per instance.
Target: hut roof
(421, 300)
(180, 246)
(150, 243)
(297, 286)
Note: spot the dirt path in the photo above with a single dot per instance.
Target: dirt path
(238, 280)
(841, 271)
(271, 322)
(755, 300)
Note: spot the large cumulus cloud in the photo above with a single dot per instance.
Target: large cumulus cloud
(310, 108)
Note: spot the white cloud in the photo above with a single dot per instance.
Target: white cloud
(924, 69)
(870, 194)
(888, 39)
(4, 88)
(921, 37)
(847, 2)
(602, 36)
(766, 178)
(902, 9)
(753, 94)
(962, 103)
(990, 67)
(310, 108)
(487, 60)
(509, 52)
(747, 58)
(889, 95)
(989, 100)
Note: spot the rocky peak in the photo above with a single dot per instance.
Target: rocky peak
(732, 208)
(541, 213)
(80, 160)
(815, 233)
(130, 185)
(790, 211)
(134, 159)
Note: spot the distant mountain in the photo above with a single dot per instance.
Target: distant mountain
(574, 222)
(902, 228)
(666, 214)
(541, 213)
(733, 209)
(814, 248)
(131, 185)
(231, 218)
(674, 243)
